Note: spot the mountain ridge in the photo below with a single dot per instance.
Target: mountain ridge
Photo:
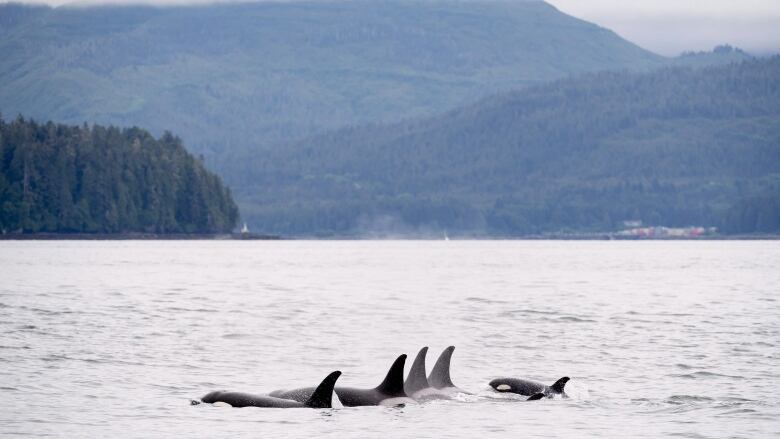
(678, 147)
(248, 75)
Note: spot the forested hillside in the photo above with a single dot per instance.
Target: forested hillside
(675, 147)
(244, 76)
(71, 179)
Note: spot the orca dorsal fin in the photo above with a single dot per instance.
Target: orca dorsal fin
(323, 394)
(393, 385)
(416, 380)
(558, 386)
(440, 375)
(536, 397)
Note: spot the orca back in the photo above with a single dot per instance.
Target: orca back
(393, 384)
(559, 385)
(416, 380)
(322, 398)
(440, 375)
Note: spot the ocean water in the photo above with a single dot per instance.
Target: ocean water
(113, 339)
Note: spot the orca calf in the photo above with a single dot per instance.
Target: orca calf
(440, 375)
(529, 388)
(417, 386)
(320, 397)
(389, 392)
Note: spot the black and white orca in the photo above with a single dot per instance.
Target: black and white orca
(321, 397)
(529, 388)
(416, 384)
(389, 393)
(440, 379)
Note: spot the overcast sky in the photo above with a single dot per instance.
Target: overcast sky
(672, 26)
(663, 26)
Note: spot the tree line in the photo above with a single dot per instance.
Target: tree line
(674, 147)
(59, 178)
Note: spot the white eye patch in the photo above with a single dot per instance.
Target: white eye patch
(503, 387)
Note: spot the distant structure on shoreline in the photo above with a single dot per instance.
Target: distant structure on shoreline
(668, 232)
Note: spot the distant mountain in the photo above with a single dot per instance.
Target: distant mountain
(243, 76)
(675, 147)
(79, 179)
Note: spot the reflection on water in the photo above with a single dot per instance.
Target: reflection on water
(660, 338)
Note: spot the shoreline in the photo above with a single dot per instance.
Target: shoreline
(260, 237)
(137, 237)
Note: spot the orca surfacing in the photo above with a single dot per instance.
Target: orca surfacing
(440, 375)
(321, 397)
(529, 388)
(389, 392)
(417, 385)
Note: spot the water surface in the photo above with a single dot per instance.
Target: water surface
(660, 338)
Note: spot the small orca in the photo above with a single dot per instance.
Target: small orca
(440, 375)
(529, 388)
(320, 397)
(390, 392)
(417, 386)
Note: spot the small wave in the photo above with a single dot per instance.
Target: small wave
(688, 399)
(739, 412)
(236, 335)
(179, 309)
(15, 347)
(483, 300)
(514, 312)
(49, 312)
(705, 374)
(574, 319)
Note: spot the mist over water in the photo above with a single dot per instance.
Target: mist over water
(660, 338)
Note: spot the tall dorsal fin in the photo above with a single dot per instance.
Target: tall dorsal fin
(393, 385)
(440, 375)
(323, 394)
(558, 386)
(416, 379)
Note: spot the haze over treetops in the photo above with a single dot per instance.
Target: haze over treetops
(674, 147)
(245, 83)
(248, 75)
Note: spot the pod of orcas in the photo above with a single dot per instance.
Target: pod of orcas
(392, 391)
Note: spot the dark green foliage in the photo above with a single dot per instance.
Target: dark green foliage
(676, 147)
(244, 76)
(69, 179)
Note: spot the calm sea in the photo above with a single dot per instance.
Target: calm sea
(113, 339)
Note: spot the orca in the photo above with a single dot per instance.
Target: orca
(389, 393)
(416, 384)
(320, 397)
(440, 375)
(529, 388)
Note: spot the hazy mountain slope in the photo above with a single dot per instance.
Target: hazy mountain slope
(239, 76)
(674, 147)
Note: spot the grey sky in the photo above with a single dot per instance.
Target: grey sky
(672, 26)
(663, 26)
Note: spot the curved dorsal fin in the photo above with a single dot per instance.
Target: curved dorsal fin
(440, 375)
(416, 379)
(323, 394)
(393, 385)
(558, 386)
